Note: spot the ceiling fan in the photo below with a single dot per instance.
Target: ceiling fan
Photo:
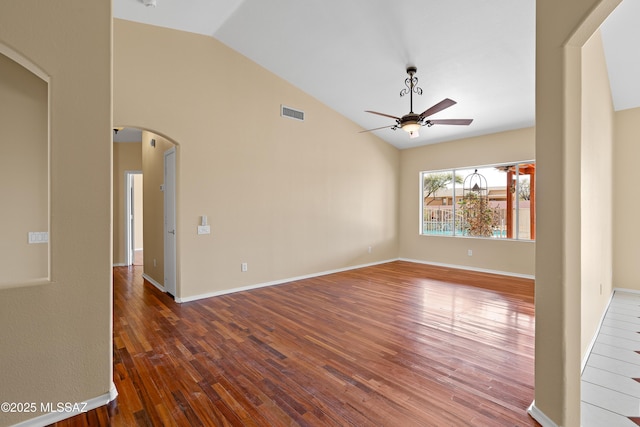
(411, 122)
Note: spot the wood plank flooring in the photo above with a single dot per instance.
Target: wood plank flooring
(399, 344)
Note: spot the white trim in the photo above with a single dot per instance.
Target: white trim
(85, 406)
(587, 353)
(120, 264)
(153, 282)
(170, 203)
(324, 273)
(540, 416)
(476, 269)
(631, 291)
(278, 282)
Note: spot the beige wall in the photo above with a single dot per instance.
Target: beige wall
(256, 183)
(561, 31)
(289, 198)
(127, 156)
(596, 194)
(514, 257)
(24, 174)
(56, 337)
(626, 226)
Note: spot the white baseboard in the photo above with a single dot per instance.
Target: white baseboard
(324, 273)
(465, 267)
(277, 282)
(540, 416)
(79, 408)
(585, 357)
(153, 282)
(120, 264)
(631, 291)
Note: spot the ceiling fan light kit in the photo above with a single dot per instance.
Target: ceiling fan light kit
(412, 122)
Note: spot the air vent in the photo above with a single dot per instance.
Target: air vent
(291, 113)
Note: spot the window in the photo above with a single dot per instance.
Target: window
(496, 202)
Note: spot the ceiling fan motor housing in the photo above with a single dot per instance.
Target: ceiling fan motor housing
(411, 120)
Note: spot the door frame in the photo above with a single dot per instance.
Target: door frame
(170, 250)
(128, 215)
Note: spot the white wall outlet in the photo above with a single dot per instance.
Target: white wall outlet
(204, 229)
(470, 252)
(244, 267)
(155, 263)
(38, 237)
(369, 249)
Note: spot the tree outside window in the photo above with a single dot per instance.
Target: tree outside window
(506, 212)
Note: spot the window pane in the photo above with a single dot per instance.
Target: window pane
(437, 203)
(482, 202)
(495, 201)
(526, 224)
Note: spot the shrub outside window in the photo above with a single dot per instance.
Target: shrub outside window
(495, 202)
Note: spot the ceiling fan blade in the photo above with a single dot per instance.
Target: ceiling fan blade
(383, 114)
(462, 122)
(383, 127)
(445, 103)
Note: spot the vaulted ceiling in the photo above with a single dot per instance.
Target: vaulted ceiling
(352, 55)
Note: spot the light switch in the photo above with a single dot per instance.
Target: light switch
(204, 229)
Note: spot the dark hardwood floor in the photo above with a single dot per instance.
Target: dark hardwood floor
(399, 344)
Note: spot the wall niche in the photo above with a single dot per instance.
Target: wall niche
(24, 172)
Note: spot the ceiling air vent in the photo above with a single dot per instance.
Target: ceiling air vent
(291, 113)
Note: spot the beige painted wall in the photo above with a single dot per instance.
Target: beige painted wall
(127, 156)
(289, 198)
(515, 257)
(597, 185)
(561, 31)
(46, 356)
(56, 337)
(626, 229)
(24, 174)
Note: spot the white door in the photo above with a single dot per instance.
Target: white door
(133, 215)
(170, 221)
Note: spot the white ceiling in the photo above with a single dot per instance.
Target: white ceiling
(352, 55)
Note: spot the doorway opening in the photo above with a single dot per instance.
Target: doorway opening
(145, 163)
(133, 218)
